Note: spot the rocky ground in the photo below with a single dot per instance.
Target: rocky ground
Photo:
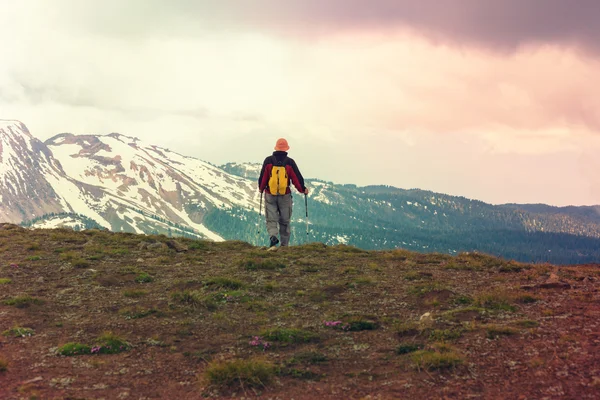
(94, 314)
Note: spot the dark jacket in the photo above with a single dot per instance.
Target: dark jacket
(291, 168)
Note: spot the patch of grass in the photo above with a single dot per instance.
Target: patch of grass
(74, 349)
(33, 258)
(526, 299)
(23, 301)
(359, 323)
(271, 286)
(109, 343)
(134, 293)
(349, 270)
(399, 254)
(496, 300)
(225, 283)
(307, 357)
(290, 335)
(5, 281)
(453, 265)
(197, 245)
(424, 288)
(445, 334)
(417, 275)
(193, 298)
(118, 251)
(440, 356)
(463, 313)
(17, 331)
(407, 348)
(130, 269)
(364, 280)
(33, 246)
(317, 295)
(463, 300)
(407, 328)
(480, 260)
(68, 256)
(296, 373)
(256, 264)
(511, 267)
(494, 331)
(239, 374)
(144, 277)
(527, 323)
(80, 263)
(135, 313)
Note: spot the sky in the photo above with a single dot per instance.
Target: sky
(491, 100)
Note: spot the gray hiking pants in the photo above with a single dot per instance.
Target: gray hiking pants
(278, 210)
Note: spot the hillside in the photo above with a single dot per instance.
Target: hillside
(96, 314)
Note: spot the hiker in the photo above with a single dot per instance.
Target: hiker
(277, 172)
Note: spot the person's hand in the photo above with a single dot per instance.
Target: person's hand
(305, 190)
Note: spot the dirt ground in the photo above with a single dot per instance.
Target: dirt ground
(496, 329)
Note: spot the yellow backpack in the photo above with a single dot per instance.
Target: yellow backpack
(279, 180)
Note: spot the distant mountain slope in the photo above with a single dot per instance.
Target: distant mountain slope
(582, 213)
(245, 170)
(28, 176)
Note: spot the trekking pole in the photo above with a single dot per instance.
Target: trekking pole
(306, 208)
(259, 215)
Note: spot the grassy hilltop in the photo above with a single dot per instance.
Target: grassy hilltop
(95, 314)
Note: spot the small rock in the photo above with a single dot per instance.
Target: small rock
(36, 379)
(100, 386)
(40, 279)
(426, 319)
(140, 260)
(178, 247)
(157, 246)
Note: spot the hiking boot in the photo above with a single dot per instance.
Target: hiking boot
(274, 241)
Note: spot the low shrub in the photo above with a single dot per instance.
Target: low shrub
(239, 374)
(18, 331)
(406, 348)
(74, 349)
(494, 331)
(23, 301)
(290, 336)
(225, 283)
(439, 356)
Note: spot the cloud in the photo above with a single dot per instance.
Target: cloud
(444, 97)
(498, 25)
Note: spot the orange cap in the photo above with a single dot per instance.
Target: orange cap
(282, 145)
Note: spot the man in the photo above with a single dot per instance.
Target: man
(277, 172)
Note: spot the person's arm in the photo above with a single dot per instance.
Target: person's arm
(297, 178)
(262, 179)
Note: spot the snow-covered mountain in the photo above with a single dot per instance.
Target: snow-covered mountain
(117, 181)
(28, 175)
